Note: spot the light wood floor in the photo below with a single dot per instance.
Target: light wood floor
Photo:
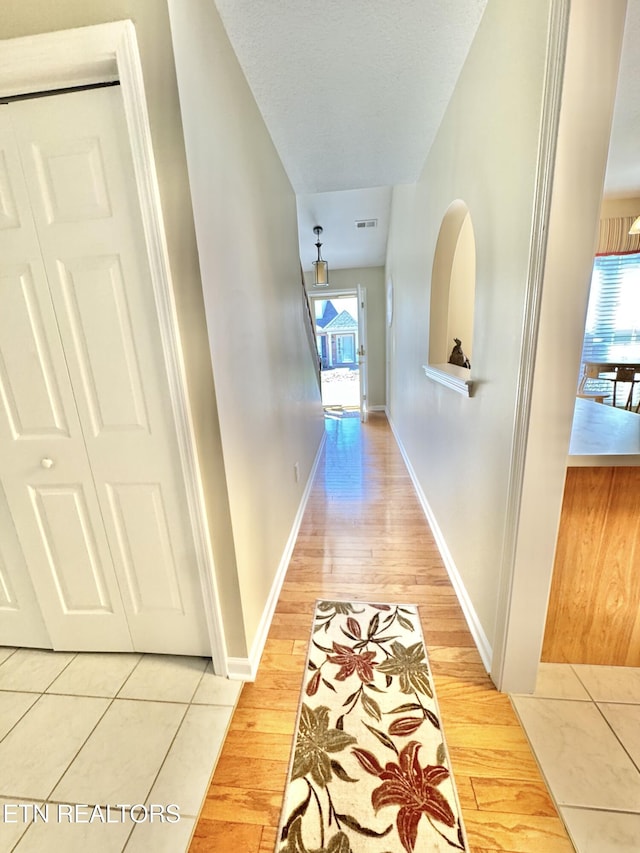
(364, 536)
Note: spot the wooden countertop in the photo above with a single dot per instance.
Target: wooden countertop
(603, 436)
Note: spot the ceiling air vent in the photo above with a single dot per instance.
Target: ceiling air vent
(366, 223)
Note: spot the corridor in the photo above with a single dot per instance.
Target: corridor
(364, 536)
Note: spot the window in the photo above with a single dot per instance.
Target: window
(612, 330)
(346, 349)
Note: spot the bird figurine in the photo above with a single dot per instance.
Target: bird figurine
(457, 355)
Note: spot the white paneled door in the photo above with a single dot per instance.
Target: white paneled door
(89, 460)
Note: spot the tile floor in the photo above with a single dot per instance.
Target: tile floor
(583, 723)
(106, 729)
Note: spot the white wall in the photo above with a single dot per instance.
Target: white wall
(582, 145)
(372, 279)
(491, 468)
(246, 227)
(485, 153)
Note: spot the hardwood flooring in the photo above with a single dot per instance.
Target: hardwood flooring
(594, 605)
(364, 536)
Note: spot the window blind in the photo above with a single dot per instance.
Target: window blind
(612, 330)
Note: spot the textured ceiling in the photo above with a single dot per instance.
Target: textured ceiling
(353, 92)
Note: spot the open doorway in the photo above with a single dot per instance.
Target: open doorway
(339, 343)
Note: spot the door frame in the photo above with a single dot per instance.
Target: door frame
(363, 353)
(348, 293)
(107, 53)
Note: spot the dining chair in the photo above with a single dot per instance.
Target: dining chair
(626, 375)
(592, 384)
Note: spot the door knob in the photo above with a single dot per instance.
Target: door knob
(46, 462)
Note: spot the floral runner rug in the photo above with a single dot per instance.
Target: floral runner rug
(369, 771)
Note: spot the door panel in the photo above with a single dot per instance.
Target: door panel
(8, 598)
(62, 515)
(42, 451)
(28, 384)
(58, 519)
(100, 323)
(21, 622)
(71, 179)
(93, 246)
(150, 565)
(9, 217)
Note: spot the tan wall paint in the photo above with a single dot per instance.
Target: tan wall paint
(372, 279)
(246, 226)
(442, 272)
(612, 207)
(29, 17)
(462, 290)
(485, 153)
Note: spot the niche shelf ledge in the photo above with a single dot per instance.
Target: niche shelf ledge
(451, 376)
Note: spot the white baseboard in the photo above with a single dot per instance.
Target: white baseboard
(477, 631)
(377, 408)
(245, 669)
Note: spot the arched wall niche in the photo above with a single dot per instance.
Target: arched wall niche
(453, 281)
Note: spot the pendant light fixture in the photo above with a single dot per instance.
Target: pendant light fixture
(321, 267)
